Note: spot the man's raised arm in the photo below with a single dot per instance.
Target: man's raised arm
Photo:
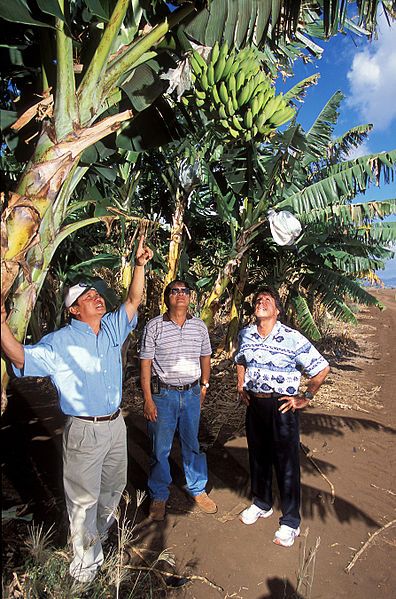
(136, 288)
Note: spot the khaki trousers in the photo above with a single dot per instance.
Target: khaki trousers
(94, 478)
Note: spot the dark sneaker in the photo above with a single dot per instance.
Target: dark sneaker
(205, 503)
(157, 510)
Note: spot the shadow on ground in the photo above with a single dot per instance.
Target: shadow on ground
(32, 470)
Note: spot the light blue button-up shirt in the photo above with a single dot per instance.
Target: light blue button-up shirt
(85, 368)
(275, 363)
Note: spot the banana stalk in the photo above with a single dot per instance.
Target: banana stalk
(66, 110)
(176, 238)
(211, 304)
(235, 312)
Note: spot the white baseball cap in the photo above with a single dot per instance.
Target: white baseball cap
(75, 291)
(285, 228)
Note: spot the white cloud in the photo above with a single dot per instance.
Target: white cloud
(362, 150)
(372, 79)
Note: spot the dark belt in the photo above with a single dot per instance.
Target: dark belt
(179, 387)
(100, 418)
(264, 395)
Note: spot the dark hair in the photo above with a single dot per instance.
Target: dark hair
(169, 287)
(273, 293)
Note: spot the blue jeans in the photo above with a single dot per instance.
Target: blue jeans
(177, 410)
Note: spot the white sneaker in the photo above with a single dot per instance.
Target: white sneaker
(286, 535)
(253, 513)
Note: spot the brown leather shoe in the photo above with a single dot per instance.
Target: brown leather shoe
(205, 503)
(157, 510)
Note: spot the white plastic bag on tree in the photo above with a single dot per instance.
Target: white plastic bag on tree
(285, 227)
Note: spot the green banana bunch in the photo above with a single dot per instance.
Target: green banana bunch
(235, 92)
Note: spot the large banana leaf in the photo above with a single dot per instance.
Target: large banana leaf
(338, 308)
(298, 91)
(319, 136)
(356, 214)
(351, 139)
(347, 263)
(251, 21)
(305, 318)
(341, 183)
(382, 232)
(334, 285)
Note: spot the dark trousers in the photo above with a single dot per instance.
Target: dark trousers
(274, 441)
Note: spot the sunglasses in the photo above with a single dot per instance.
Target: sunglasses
(181, 290)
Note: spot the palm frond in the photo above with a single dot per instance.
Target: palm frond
(342, 182)
(304, 317)
(353, 138)
(320, 134)
(345, 214)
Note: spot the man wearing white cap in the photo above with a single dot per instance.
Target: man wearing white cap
(84, 362)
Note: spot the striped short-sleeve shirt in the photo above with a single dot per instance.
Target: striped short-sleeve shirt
(174, 350)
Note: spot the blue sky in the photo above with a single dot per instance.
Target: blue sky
(365, 71)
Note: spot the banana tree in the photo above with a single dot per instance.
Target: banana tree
(77, 112)
(75, 117)
(343, 241)
(180, 177)
(238, 295)
(71, 113)
(308, 173)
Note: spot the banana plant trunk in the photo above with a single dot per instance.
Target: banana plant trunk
(235, 312)
(224, 277)
(31, 223)
(176, 239)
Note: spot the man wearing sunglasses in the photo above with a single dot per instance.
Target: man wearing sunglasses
(175, 369)
(83, 360)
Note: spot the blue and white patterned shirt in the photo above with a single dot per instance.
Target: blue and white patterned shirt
(275, 363)
(85, 368)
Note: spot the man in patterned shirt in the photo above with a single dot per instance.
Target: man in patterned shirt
(270, 359)
(174, 373)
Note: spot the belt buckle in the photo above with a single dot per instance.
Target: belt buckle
(180, 387)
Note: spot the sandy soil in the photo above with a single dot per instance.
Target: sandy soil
(347, 474)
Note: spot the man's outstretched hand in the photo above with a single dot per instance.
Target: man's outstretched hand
(143, 253)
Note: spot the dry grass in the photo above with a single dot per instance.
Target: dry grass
(349, 351)
(44, 572)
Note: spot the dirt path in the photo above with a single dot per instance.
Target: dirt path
(353, 449)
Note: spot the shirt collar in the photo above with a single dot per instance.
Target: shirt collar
(83, 327)
(274, 331)
(167, 318)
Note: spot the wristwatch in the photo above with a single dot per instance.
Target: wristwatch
(206, 385)
(308, 395)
